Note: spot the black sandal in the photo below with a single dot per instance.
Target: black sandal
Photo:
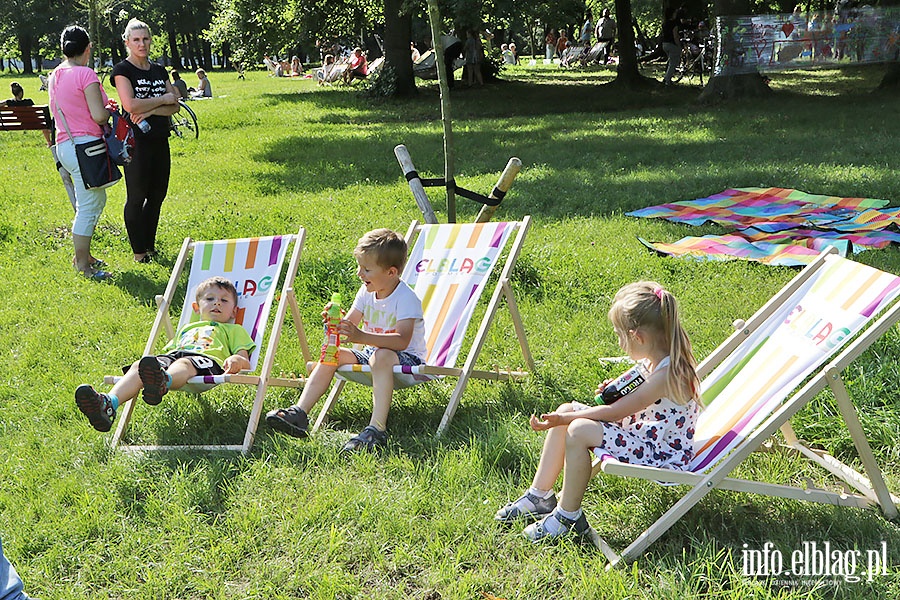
(292, 421)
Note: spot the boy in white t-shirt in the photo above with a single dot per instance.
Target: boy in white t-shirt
(393, 332)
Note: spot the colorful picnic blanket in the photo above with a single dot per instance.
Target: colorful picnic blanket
(776, 226)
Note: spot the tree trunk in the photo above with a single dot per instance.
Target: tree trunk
(25, 52)
(397, 34)
(173, 45)
(206, 47)
(731, 86)
(891, 77)
(627, 73)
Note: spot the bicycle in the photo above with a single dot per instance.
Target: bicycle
(696, 59)
(184, 123)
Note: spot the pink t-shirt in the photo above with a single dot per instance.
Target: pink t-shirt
(359, 63)
(67, 89)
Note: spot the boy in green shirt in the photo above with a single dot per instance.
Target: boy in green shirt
(211, 346)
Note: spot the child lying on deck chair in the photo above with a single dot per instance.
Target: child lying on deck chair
(211, 346)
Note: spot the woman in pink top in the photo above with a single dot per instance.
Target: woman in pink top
(77, 99)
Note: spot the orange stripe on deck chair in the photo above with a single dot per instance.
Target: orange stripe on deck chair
(737, 415)
(860, 290)
(442, 316)
(476, 233)
(252, 247)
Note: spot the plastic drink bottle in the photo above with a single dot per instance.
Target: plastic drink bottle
(624, 385)
(332, 343)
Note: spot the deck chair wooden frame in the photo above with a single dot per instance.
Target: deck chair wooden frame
(870, 486)
(407, 376)
(261, 381)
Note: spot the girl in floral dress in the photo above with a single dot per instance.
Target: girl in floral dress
(652, 425)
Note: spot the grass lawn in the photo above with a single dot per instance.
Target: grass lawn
(296, 520)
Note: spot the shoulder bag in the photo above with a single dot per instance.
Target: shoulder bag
(98, 170)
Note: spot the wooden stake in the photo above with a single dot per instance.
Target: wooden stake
(415, 183)
(503, 184)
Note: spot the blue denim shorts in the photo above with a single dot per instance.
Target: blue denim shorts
(406, 359)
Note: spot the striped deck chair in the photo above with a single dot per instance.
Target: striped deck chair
(781, 358)
(448, 268)
(255, 266)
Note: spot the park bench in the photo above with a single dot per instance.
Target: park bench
(21, 118)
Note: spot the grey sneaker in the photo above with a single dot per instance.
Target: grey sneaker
(578, 528)
(529, 507)
(95, 406)
(292, 420)
(368, 440)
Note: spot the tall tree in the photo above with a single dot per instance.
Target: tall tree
(397, 30)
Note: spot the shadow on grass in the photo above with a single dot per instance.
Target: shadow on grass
(622, 164)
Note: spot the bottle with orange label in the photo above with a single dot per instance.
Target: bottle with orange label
(332, 345)
(624, 385)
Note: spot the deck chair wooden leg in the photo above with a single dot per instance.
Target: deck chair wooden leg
(517, 324)
(851, 419)
(329, 403)
(255, 414)
(453, 404)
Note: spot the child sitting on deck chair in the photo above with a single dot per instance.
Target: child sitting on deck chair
(393, 330)
(211, 346)
(652, 425)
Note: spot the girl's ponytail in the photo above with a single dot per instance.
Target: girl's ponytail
(681, 380)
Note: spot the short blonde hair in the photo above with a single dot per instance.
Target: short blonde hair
(387, 247)
(132, 25)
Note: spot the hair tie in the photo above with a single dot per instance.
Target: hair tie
(658, 291)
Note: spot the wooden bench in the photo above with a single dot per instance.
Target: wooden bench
(21, 118)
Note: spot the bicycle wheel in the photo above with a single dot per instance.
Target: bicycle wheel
(684, 66)
(184, 123)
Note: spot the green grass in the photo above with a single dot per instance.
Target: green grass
(295, 520)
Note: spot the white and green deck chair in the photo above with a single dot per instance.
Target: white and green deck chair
(797, 344)
(255, 266)
(448, 268)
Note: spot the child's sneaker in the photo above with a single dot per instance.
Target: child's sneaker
(95, 406)
(292, 420)
(528, 506)
(369, 439)
(154, 380)
(555, 526)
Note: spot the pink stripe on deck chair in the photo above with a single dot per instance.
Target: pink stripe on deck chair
(276, 248)
(442, 315)
(741, 418)
(448, 339)
(257, 322)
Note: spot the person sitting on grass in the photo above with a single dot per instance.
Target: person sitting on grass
(358, 67)
(179, 84)
(393, 331)
(204, 87)
(212, 345)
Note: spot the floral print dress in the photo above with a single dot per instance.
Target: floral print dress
(661, 435)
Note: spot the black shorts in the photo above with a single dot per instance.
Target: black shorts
(204, 364)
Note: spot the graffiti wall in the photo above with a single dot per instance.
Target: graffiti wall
(789, 41)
